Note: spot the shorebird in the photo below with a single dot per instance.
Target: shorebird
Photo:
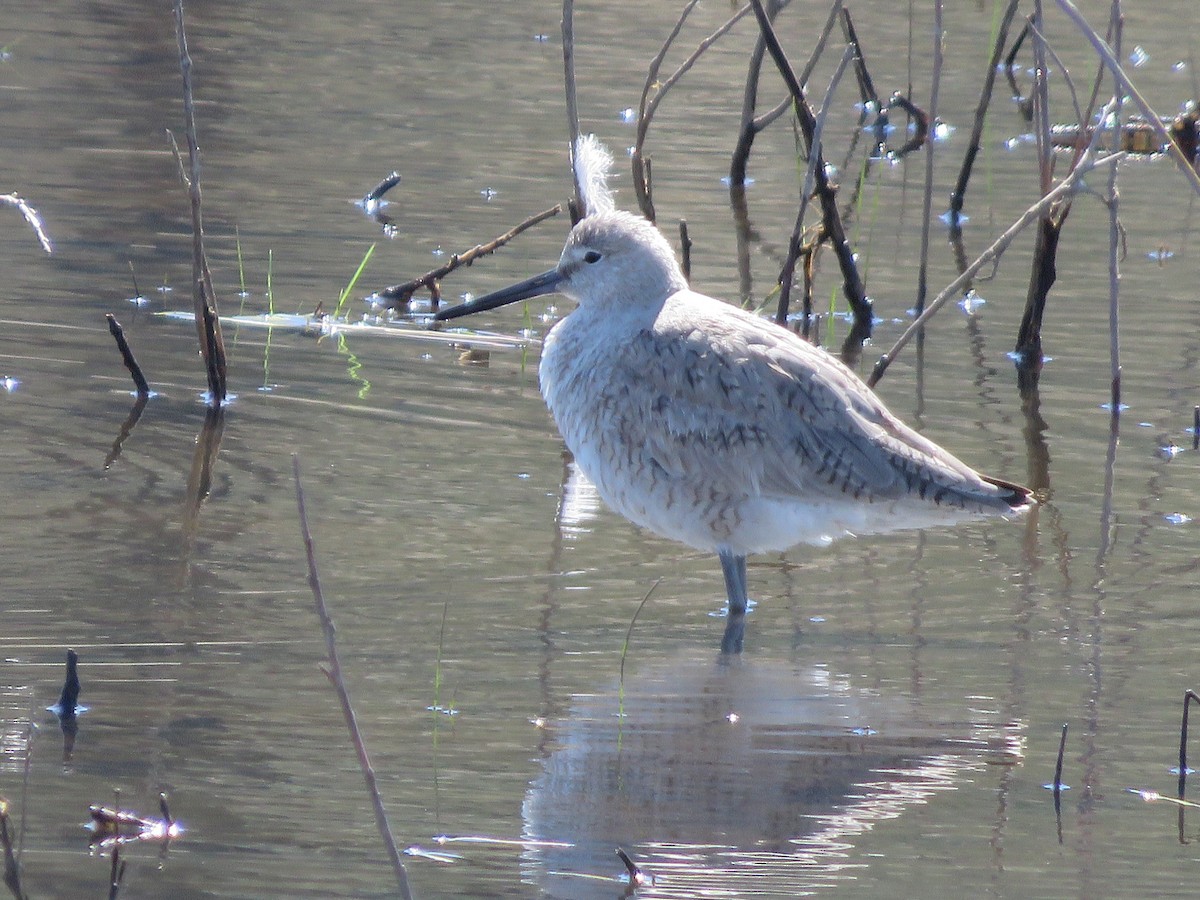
(712, 426)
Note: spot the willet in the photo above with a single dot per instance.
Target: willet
(714, 427)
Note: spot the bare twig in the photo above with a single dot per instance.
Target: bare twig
(985, 96)
(751, 125)
(685, 249)
(1188, 697)
(851, 280)
(1068, 186)
(208, 324)
(795, 244)
(568, 39)
(118, 333)
(648, 105)
(399, 294)
(927, 200)
(1114, 232)
(334, 674)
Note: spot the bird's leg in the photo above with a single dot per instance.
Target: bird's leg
(733, 567)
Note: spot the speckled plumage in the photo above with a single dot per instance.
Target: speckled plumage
(714, 427)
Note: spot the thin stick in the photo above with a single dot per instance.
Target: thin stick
(1188, 696)
(795, 243)
(568, 39)
(927, 210)
(334, 674)
(118, 333)
(1114, 233)
(1067, 186)
(1058, 766)
(985, 98)
(208, 323)
(851, 280)
(647, 106)
(402, 293)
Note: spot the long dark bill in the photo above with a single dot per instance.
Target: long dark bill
(546, 283)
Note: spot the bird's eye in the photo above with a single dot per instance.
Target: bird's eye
(591, 257)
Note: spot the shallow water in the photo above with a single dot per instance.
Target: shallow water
(899, 704)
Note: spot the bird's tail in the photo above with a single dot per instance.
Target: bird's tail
(1018, 497)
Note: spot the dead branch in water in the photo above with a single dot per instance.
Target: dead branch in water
(568, 39)
(399, 294)
(1068, 186)
(334, 674)
(204, 299)
(795, 245)
(975, 143)
(135, 371)
(648, 105)
(831, 219)
(751, 125)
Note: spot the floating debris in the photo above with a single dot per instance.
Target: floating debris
(110, 827)
(1177, 519)
(628, 115)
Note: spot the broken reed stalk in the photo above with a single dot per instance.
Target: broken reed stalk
(975, 144)
(1188, 697)
(927, 199)
(1043, 273)
(787, 275)
(1116, 21)
(402, 293)
(751, 125)
(830, 217)
(1058, 765)
(992, 253)
(647, 106)
(685, 249)
(636, 876)
(135, 371)
(68, 699)
(334, 674)
(204, 300)
(568, 39)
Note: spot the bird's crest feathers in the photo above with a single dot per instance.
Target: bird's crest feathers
(593, 165)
